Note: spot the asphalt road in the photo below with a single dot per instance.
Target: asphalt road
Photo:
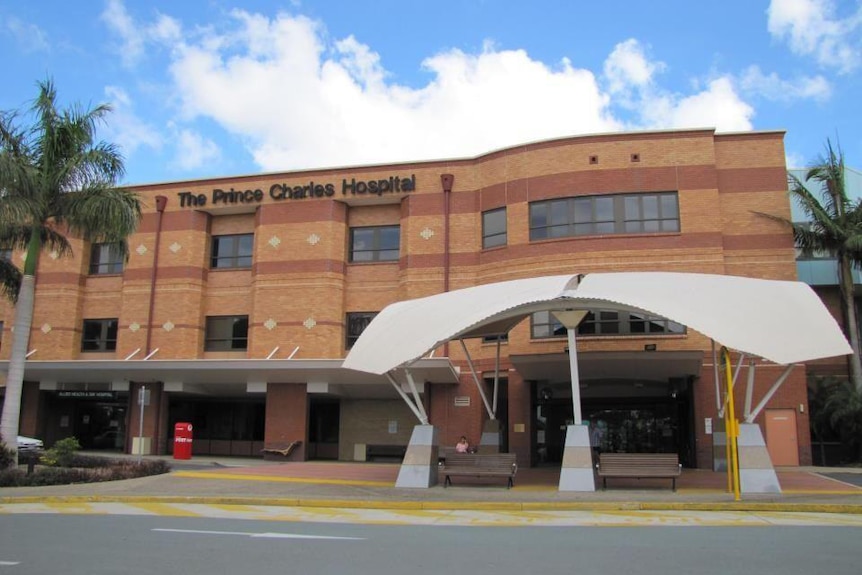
(851, 478)
(94, 545)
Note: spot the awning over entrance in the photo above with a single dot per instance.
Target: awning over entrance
(211, 376)
(781, 321)
(610, 365)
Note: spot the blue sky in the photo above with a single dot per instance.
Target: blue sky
(208, 88)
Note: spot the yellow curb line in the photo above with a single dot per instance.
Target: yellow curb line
(270, 478)
(847, 508)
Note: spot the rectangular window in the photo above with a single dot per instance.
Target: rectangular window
(544, 325)
(494, 228)
(356, 324)
(234, 251)
(106, 259)
(375, 244)
(99, 335)
(226, 333)
(608, 214)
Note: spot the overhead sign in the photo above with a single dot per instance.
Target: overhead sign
(87, 394)
(283, 191)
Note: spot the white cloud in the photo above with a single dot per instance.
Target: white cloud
(719, 105)
(628, 67)
(772, 87)
(133, 36)
(631, 78)
(194, 150)
(299, 99)
(812, 28)
(125, 128)
(29, 37)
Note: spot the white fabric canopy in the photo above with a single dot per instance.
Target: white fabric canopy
(781, 321)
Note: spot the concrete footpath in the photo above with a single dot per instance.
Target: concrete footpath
(238, 481)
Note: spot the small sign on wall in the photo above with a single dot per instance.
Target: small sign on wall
(393, 426)
(707, 425)
(462, 401)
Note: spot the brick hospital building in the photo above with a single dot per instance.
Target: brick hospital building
(242, 295)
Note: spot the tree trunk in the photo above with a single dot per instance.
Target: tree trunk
(15, 377)
(849, 303)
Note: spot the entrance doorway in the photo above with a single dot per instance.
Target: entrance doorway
(626, 425)
(97, 419)
(324, 416)
(781, 440)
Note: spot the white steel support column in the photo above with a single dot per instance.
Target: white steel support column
(573, 371)
(756, 411)
(476, 379)
(576, 472)
(749, 389)
(719, 405)
(419, 405)
(496, 376)
(422, 419)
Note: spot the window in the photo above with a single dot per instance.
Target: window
(494, 228)
(596, 215)
(226, 333)
(6, 255)
(99, 335)
(651, 213)
(356, 324)
(375, 244)
(233, 251)
(543, 324)
(106, 259)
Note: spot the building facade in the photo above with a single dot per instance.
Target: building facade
(242, 295)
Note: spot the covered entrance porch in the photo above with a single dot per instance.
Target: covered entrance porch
(633, 402)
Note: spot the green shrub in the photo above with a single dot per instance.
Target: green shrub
(7, 457)
(113, 470)
(62, 453)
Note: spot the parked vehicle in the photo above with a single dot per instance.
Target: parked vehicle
(29, 444)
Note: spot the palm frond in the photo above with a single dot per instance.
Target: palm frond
(55, 241)
(101, 213)
(10, 279)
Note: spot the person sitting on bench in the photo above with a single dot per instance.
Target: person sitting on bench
(463, 446)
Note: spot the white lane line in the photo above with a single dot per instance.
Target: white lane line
(5, 563)
(264, 535)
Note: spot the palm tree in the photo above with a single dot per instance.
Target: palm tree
(55, 180)
(843, 410)
(834, 227)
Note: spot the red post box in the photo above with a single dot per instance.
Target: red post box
(183, 441)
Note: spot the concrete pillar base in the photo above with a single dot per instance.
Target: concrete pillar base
(576, 473)
(419, 468)
(756, 473)
(490, 442)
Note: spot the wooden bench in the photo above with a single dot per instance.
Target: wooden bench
(374, 452)
(276, 451)
(479, 465)
(639, 465)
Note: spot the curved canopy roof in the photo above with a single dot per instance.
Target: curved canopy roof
(781, 321)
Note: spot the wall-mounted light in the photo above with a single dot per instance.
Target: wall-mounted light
(650, 347)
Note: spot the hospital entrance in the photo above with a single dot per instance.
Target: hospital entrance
(647, 424)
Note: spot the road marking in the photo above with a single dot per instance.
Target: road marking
(375, 516)
(5, 563)
(263, 535)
